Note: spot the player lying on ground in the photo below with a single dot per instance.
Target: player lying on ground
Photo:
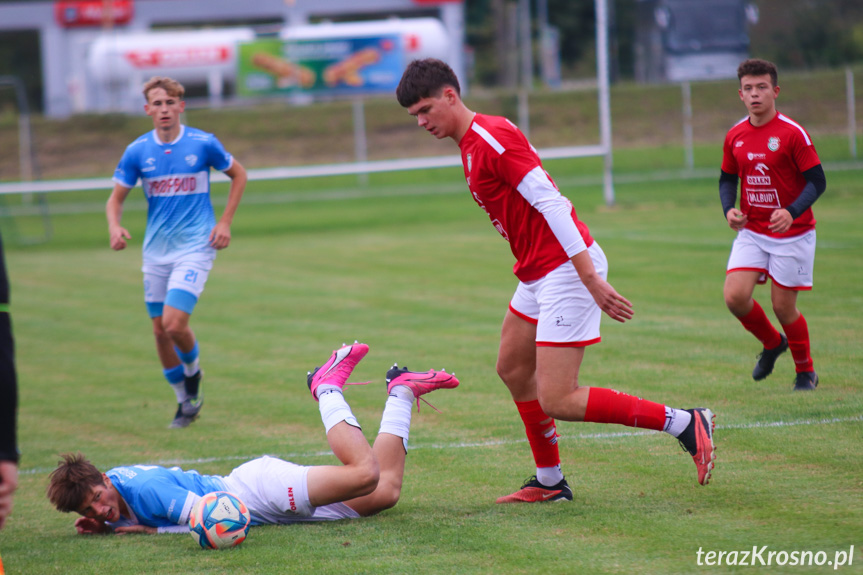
(151, 499)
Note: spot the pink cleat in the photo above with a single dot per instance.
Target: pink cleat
(420, 383)
(338, 368)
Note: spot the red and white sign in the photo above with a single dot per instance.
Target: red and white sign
(180, 57)
(80, 13)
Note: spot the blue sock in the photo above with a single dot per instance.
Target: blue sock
(189, 359)
(176, 378)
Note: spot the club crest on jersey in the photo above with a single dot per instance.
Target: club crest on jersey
(469, 163)
(773, 144)
(191, 159)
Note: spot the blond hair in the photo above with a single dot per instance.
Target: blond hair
(172, 87)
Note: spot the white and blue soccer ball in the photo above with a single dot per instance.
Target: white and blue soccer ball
(219, 520)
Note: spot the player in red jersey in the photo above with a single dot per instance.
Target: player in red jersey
(562, 292)
(781, 177)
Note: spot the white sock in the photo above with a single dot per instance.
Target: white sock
(396, 419)
(180, 391)
(549, 476)
(334, 409)
(190, 369)
(676, 421)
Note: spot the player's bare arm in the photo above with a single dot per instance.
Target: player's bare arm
(606, 297)
(114, 212)
(220, 237)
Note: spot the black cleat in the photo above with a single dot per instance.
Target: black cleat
(767, 359)
(806, 381)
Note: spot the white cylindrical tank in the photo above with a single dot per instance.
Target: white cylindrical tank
(191, 56)
(421, 37)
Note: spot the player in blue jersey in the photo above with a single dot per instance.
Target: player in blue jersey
(154, 499)
(173, 164)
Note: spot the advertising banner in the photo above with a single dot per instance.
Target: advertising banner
(335, 66)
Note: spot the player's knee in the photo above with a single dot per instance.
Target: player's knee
(389, 495)
(510, 373)
(174, 328)
(786, 314)
(368, 475)
(551, 406)
(159, 331)
(736, 302)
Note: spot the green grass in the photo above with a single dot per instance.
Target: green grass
(409, 265)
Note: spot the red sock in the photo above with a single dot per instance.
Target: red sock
(610, 406)
(757, 323)
(797, 333)
(541, 433)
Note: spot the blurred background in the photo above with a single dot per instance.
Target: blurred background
(294, 82)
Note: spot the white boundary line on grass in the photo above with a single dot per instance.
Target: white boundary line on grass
(490, 443)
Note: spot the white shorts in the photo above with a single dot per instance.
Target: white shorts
(179, 284)
(789, 262)
(564, 312)
(276, 492)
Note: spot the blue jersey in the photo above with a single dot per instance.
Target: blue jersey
(176, 181)
(161, 497)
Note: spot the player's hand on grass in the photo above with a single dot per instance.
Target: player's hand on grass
(220, 237)
(135, 529)
(119, 235)
(780, 221)
(90, 526)
(736, 219)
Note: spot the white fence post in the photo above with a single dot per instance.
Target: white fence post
(852, 117)
(686, 90)
(360, 138)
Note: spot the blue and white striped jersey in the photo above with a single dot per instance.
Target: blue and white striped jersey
(175, 177)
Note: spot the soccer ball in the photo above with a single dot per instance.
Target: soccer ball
(219, 520)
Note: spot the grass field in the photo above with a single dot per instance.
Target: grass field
(409, 265)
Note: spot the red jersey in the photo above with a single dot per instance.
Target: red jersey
(496, 158)
(770, 161)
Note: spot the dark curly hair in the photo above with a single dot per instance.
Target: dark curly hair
(756, 67)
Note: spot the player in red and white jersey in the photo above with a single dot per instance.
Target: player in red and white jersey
(556, 309)
(780, 178)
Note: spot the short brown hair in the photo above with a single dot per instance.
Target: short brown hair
(424, 79)
(756, 67)
(171, 87)
(72, 482)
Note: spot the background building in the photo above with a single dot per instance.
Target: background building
(92, 51)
